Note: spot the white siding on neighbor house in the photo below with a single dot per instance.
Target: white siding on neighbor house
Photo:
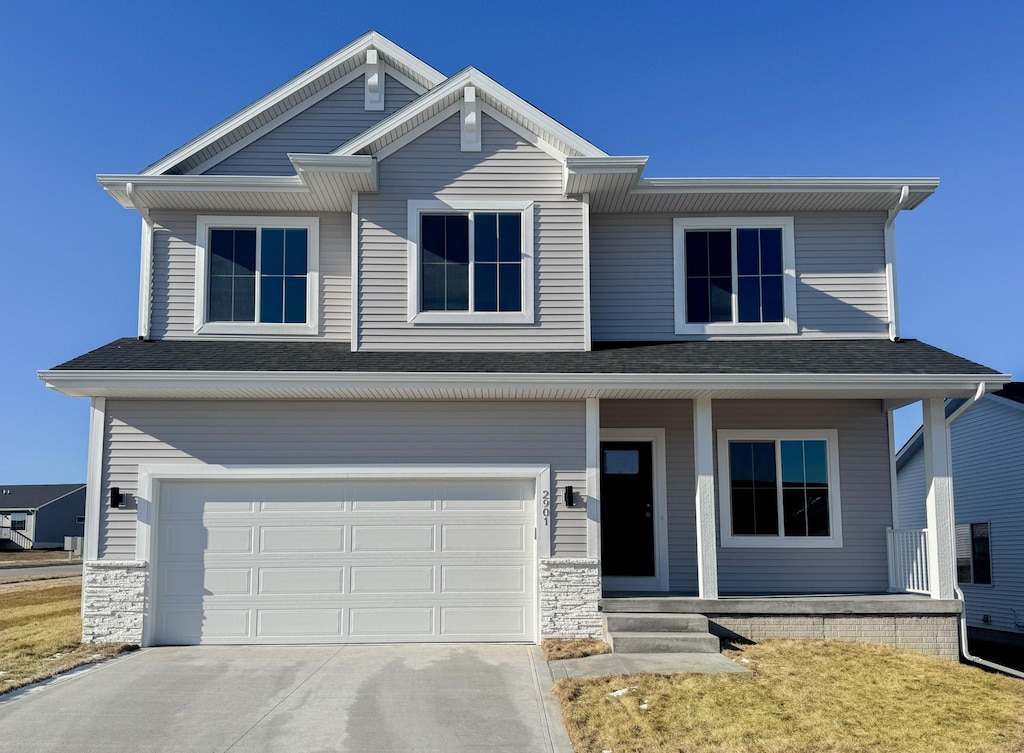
(840, 267)
(174, 274)
(507, 168)
(861, 564)
(988, 487)
(343, 433)
(321, 128)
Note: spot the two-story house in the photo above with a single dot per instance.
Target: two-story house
(416, 362)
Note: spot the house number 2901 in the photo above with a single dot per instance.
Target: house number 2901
(545, 501)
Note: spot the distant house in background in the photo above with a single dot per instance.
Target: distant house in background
(39, 516)
(988, 490)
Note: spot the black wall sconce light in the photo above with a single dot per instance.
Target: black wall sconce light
(116, 497)
(570, 499)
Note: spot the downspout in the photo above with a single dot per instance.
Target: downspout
(145, 265)
(890, 263)
(964, 650)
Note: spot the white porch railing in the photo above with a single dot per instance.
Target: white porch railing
(908, 560)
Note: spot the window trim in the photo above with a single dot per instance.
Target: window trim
(781, 541)
(202, 291)
(788, 325)
(418, 208)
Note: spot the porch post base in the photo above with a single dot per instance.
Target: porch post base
(570, 591)
(113, 601)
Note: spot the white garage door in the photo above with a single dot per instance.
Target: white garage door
(345, 562)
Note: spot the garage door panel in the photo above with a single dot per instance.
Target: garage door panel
(330, 562)
(302, 539)
(392, 538)
(301, 580)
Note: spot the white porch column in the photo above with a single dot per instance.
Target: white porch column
(938, 472)
(594, 479)
(704, 464)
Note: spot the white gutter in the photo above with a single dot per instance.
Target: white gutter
(890, 264)
(964, 650)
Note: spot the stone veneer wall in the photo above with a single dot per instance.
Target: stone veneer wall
(570, 591)
(113, 601)
(930, 634)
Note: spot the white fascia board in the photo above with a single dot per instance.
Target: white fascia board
(357, 47)
(86, 383)
(485, 86)
(917, 186)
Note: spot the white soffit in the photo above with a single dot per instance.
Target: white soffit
(291, 96)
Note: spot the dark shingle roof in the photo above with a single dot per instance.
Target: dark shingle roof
(1012, 391)
(692, 357)
(31, 496)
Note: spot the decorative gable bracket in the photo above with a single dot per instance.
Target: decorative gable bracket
(374, 81)
(470, 120)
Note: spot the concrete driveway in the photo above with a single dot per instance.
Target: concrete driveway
(297, 698)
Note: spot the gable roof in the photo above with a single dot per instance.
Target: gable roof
(33, 496)
(507, 107)
(287, 98)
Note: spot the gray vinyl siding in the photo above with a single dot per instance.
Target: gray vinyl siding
(174, 274)
(988, 487)
(321, 128)
(343, 433)
(59, 518)
(676, 418)
(840, 267)
(860, 565)
(507, 167)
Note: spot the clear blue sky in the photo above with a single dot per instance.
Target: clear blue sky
(705, 89)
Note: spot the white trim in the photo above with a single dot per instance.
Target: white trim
(146, 278)
(704, 484)
(94, 477)
(939, 505)
(588, 343)
(789, 323)
(893, 484)
(312, 324)
(150, 476)
(833, 541)
(415, 209)
(593, 501)
(373, 82)
(356, 47)
(354, 278)
(270, 125)
(892, 292)
(470, 125)
(660, 581)
(414, 133)
(550, 149)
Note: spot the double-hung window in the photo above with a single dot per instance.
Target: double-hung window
(470, 263)
(734, 275)
(256, 275)
(779, 488)
(973, 554)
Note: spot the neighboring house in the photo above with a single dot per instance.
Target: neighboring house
(988, 471)
(416, 362)
(39, 516)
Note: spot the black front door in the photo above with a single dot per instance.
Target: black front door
(627, 509)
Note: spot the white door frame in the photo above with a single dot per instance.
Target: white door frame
(660, 581)
(150, 477)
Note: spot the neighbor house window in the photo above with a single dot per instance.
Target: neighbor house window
(256, 275)
(734, 275)
(18, 521)
(779, 488)
(973, 554)
(471, 263)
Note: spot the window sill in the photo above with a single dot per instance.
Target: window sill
(781, 542)
(728, 328)
(446, 317)
(248, 328)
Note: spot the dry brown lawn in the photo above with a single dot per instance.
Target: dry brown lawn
(573, 649)
(33, 557)
(40, 630)
(802, 697)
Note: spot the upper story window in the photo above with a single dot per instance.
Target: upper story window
(734, 275)
(256, 275)
(470, 262)
(779, 488)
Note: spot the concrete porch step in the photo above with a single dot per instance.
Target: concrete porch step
(637, 622)
(650, 643)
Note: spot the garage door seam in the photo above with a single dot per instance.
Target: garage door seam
(290, 694)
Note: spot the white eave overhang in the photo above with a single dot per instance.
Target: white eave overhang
(322, 183)
(615, 184)
(896, 390)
